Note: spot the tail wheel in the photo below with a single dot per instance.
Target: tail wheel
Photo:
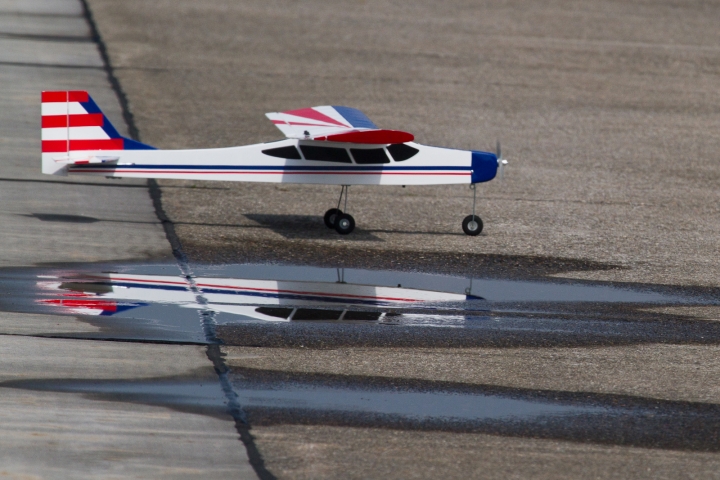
(344, 224)
(472, 225)
(331, 216)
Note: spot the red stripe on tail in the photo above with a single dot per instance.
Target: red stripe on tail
(112, 144)
(87, 120)
(72, 96)
(54, 146)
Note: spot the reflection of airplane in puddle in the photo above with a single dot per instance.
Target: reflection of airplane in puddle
(270, 300)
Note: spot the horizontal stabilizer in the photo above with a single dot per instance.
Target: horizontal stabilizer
(85, 160)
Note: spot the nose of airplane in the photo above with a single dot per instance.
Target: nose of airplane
(484, 166)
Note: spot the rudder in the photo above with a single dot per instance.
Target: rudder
(75, 129)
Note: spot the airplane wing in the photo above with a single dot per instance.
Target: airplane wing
(334, 124)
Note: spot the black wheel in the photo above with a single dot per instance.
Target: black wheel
(472, 225)
(344, 224)
(330, 217)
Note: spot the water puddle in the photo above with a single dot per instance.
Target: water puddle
(155, 302)
(301, 307)
(275, 398)
(269, 397)
(411, 405)
(204, 396)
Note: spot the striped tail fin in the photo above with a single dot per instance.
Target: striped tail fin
(74, 130)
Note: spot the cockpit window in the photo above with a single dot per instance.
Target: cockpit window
(400, 151)
(369, 155)
(325, 154)
(278, 312)
(284, 152)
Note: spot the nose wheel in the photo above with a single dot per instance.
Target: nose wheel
(472, 224)
(343, 223)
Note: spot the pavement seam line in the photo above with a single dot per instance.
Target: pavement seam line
(106, 339)
(213, 351)
(49, 65)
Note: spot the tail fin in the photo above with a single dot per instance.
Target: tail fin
(74, 130)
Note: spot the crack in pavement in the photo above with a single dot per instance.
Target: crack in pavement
(207, 317)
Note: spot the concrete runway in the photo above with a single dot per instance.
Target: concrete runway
(46, 45)
(609, 113)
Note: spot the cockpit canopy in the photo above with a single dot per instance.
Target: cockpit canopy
(398, 152)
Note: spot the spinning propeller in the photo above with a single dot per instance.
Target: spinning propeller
(501, 161)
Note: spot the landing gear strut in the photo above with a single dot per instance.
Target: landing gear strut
(472, 224)
(343, 223)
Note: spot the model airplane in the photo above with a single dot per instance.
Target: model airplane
(324, 145)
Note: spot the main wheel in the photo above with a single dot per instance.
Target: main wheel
(330, 217)
(344, 224)
(472, 225)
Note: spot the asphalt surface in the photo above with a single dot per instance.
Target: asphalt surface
(609, 115)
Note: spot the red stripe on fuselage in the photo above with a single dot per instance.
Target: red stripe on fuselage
(126, 279)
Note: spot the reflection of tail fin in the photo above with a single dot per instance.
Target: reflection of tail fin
(74, 130)
(85, 306)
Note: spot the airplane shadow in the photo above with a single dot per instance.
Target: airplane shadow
(306, 227)
(64, 218)
(289, 226)
(59, 217)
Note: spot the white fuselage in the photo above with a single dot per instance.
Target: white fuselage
(429, 166)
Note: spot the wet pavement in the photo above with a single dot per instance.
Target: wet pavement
(275, 398)
(194, 395)
(492, 366)
(281, 306)
(272, 398)
(306, 308)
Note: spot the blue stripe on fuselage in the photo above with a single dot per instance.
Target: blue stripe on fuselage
(279, 168)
